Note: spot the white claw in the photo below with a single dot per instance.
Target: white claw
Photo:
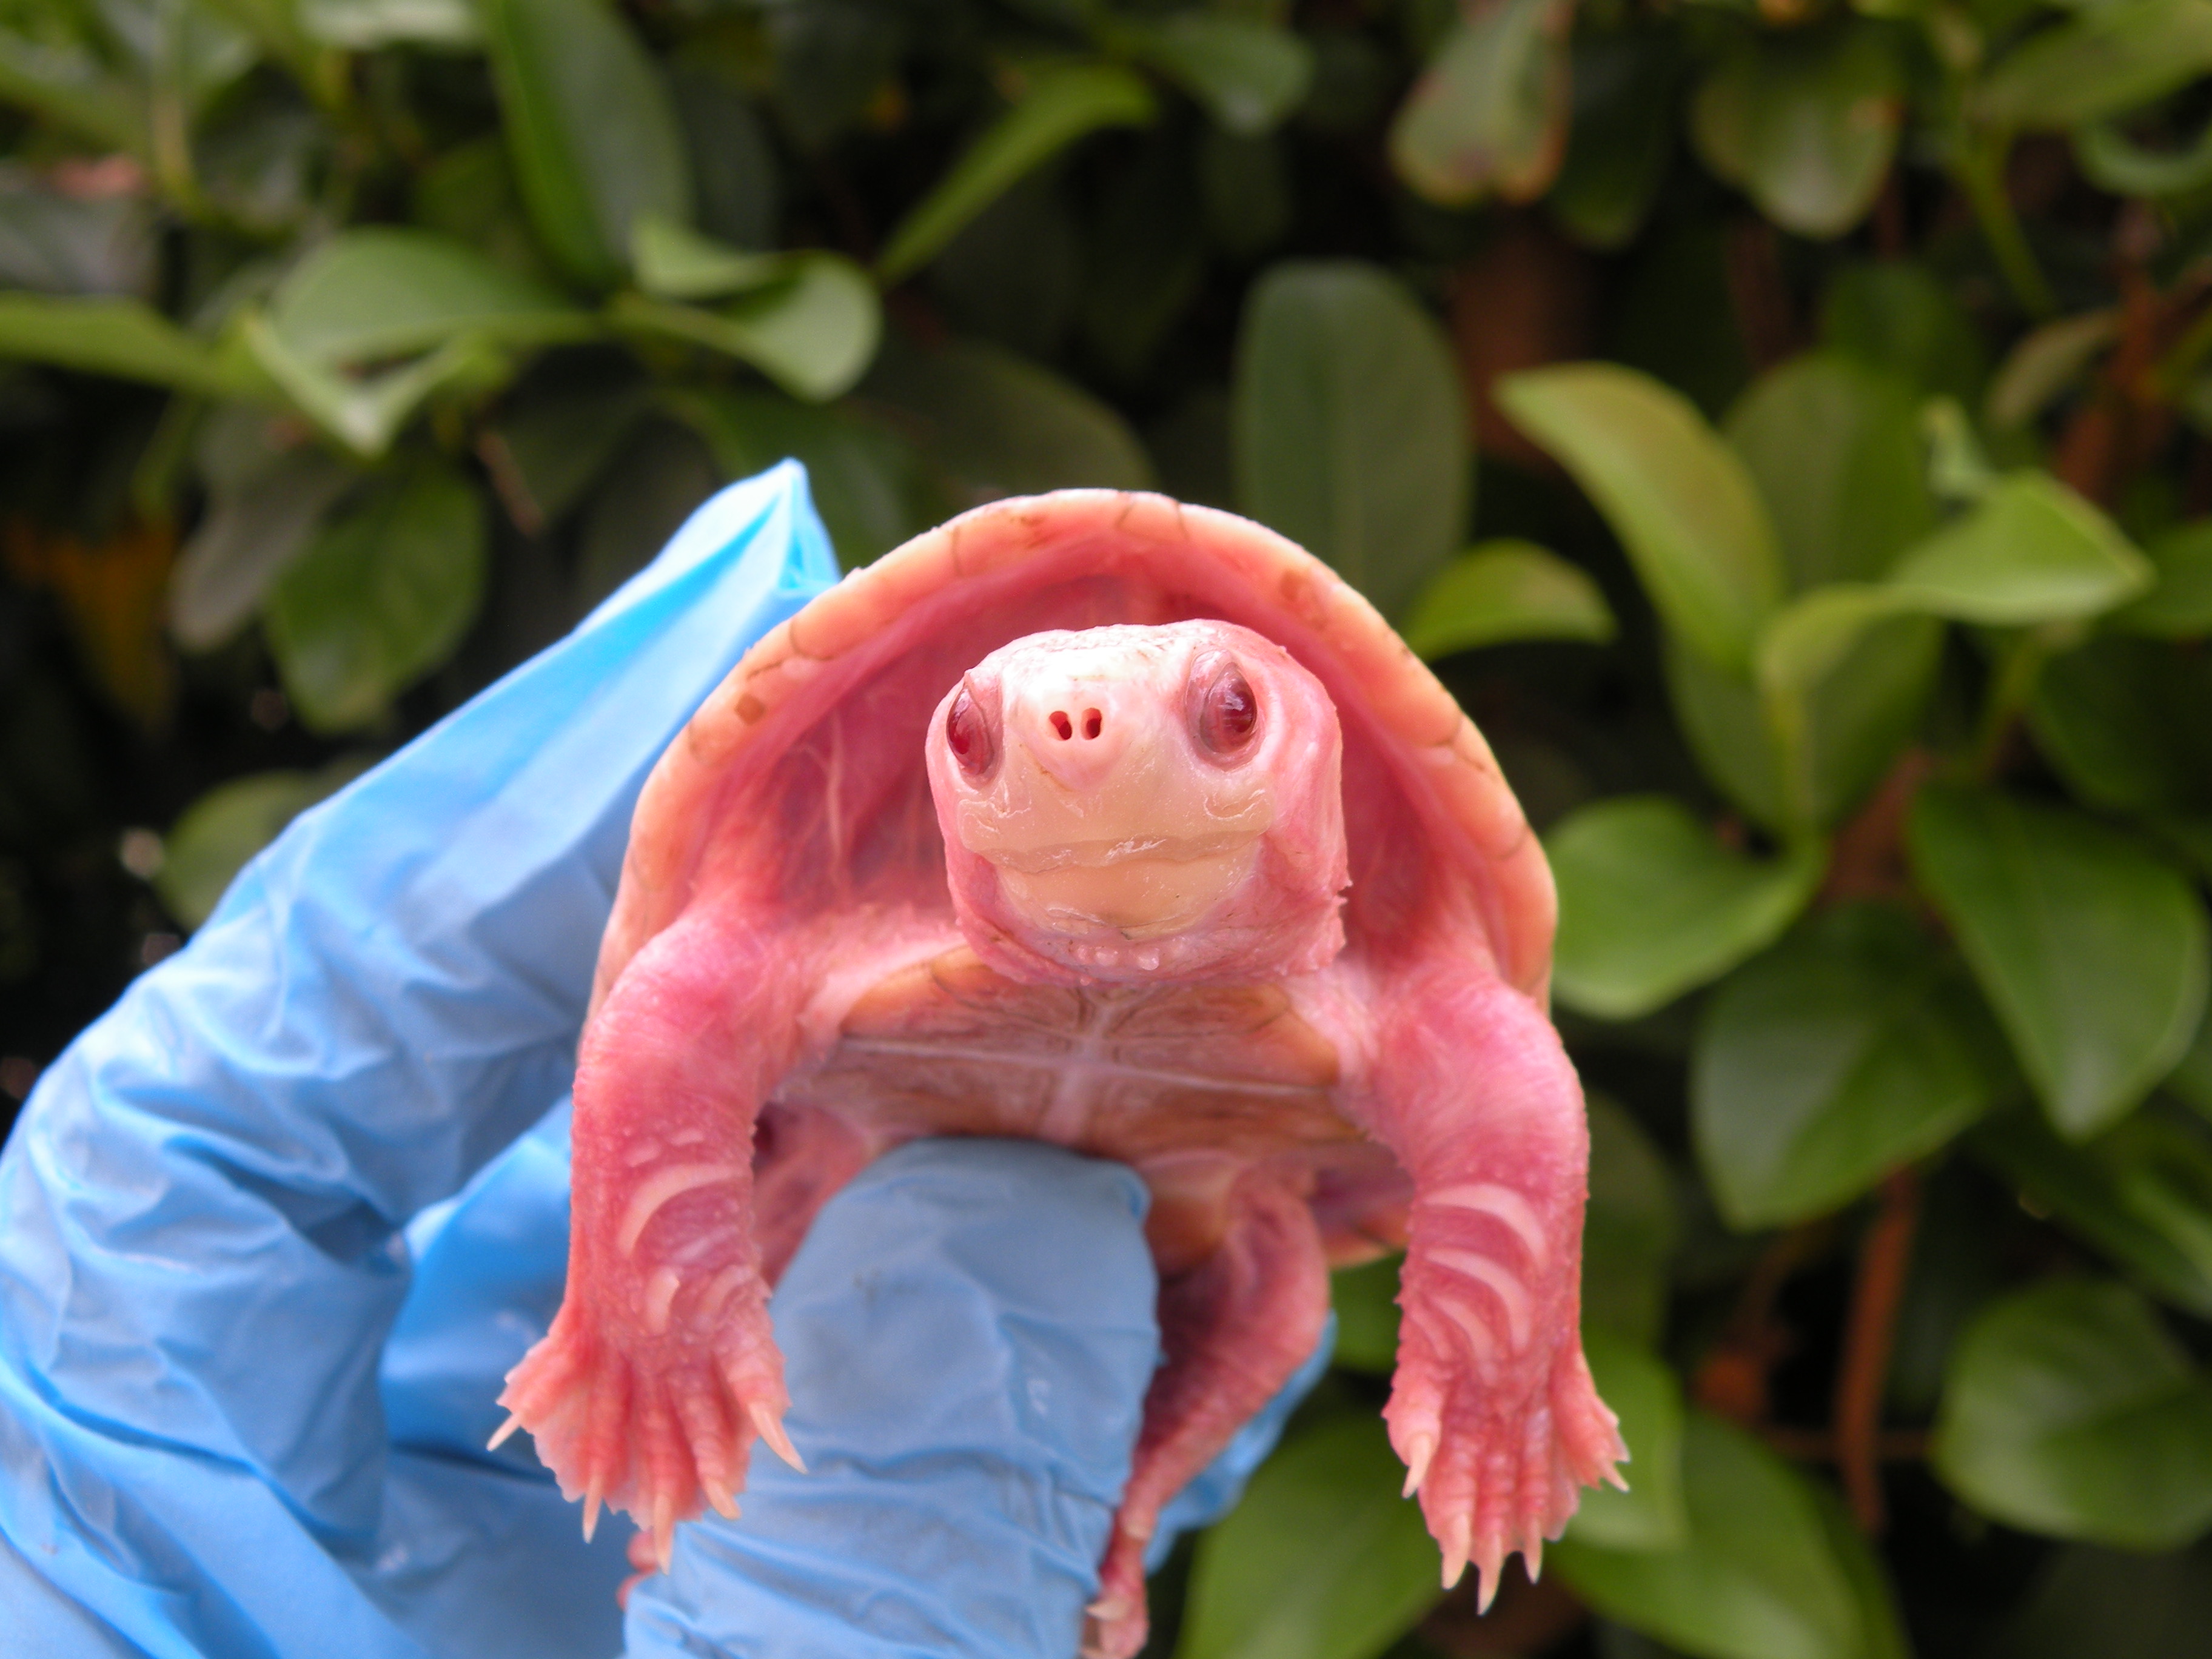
(723, 1504)
(592, 1501)
(1532, 1557)
(1455, 1553)
(507, 1428)
(771, 1429)
(1417, 1465)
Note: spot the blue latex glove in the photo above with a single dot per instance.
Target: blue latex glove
(272, 1229)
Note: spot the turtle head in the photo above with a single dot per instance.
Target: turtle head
(1142, 804)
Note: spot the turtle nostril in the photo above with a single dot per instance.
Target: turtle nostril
(1093, 722)
(1060, 726)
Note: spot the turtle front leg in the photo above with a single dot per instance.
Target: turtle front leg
(1233, 1329)
(660, 1367)
(1491, 1406)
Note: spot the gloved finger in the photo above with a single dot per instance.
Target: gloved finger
(969, 1333)
(197, 1255)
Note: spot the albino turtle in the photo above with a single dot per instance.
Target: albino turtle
(1122, 925)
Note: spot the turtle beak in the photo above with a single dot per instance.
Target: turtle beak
(1077, 728)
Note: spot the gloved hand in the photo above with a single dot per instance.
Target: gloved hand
(263, 1258)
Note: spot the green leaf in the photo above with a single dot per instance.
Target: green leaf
(1756, 1578)
(545, 450)
(2109, 161)
(2141, 1193)
(250, 533)
(58, 243)
(2190, 1080)
(1651, 905)
(1322, 1560)
(2180, 607)
(865, 478)
(70, 86)
(1350, 433)
(1683, 505)
(1491, 112)
(1366, 1305)
(1623, 137)
(1805, 123)
(1823, 1065)
(2103, 715)
(995, 424)
(1646, 1397)
(814, 333)
(382, 597)
(1247, 74)
(1835, 449)
(123, 337)
(2071, 1410)
(2033, 552)
(2090, 1600)
(1901, 317)
(365, 412)
(2104, 60)
(591, 126)
(1505, 590)
(675, 262)
(1630, 1228)
(2091, 949)
(382, 292)
(366, 25)
(2045, 364)
(1058, 106)
(207, 846)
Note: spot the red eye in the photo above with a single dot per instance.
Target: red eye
(968, 734)
(1228, 710)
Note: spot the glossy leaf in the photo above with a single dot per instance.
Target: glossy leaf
(2072, 1411)
(1491, 112)
(249, 534)
(1322, 1560)
(865, 479)
(2100, 715)
(1651, 905)
(1630, 1228)
(2032, 551)
(2091, 949)
(2045, 364)
(1683, 505)
(365, 412)
(123, 337)
(995, 424)
(590, 125)
(814, 332)
(1756, 1576)
(71, 86)
(1622, 138)
(1349, 430)
(1835, 449)
(1805, 123)
(1366, 1302)
(382, 597)
(382, 292)
(2104, 60)
(675, 262)
(207, 846)
(1648, 1399)
(1900, 317)
(2141, 1193)
(2111, 163)
(1832, 1059)
(365, 25)
(2180, 605)
(1247, 74)
(1058, 106)
(1505, 590)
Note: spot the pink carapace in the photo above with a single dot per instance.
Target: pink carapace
(1127, 825)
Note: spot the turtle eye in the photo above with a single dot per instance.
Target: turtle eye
(1228, 712)
(968, 734)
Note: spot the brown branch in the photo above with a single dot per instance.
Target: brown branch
(1884, 1255)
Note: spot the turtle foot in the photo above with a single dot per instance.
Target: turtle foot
(658, 1433)
(1500, 1475)
(1115, 1623)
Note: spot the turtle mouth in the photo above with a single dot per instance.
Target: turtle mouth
(1136, 889)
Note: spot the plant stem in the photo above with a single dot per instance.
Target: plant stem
(1884, 1255)
(2020, 663)
(1980, 172)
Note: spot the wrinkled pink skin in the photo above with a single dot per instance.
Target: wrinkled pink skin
(1158, 976)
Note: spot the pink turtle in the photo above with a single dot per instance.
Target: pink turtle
(1103, 820)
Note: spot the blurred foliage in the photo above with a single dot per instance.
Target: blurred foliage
(1787, 425)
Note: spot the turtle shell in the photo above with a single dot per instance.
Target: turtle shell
(799, 786)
